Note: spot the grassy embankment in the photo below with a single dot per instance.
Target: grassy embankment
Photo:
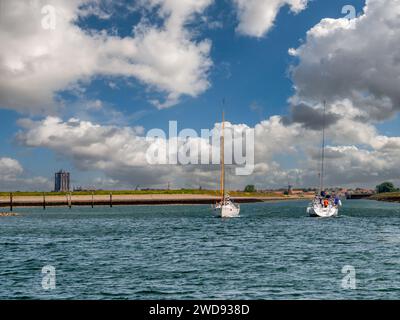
(144, 192)
(390, 196)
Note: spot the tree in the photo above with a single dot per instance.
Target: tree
(250, 188)
(385, 187)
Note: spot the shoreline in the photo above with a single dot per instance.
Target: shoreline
(119, 200)
(387, 197)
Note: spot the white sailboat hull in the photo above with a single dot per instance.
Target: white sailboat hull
(229, 210)
(317, 210)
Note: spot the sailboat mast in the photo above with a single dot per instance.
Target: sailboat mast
(323, 150)
(222, 150)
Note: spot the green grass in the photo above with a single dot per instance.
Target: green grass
(395, 196)
(139, 192)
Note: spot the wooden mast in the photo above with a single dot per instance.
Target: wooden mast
(323, 151)
(222, 159)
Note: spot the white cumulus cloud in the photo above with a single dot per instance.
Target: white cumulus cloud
(257, 17)
(356, 59)
(12, 177)
(37, 63)
(356, 153)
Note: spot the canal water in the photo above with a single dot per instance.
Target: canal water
(273, 251)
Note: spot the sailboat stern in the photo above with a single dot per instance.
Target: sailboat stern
(230, 210)
(322, 212)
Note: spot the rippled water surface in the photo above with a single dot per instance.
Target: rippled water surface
(273, 251)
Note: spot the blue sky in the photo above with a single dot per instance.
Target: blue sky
(250, 72)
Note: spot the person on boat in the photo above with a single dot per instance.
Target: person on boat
(336, 201)
(326, 203)
(321, 197)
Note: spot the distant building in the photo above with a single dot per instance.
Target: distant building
(61, 181)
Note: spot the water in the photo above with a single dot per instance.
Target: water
(273, 251)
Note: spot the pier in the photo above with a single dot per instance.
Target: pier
(70, 200)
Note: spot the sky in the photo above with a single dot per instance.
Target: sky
(82, 82)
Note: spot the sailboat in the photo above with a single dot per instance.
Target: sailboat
(226, 208)
(323, 206)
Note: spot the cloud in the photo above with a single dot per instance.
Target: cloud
(119, 152)
(12, 177)
(310, 118)
(36, 63)
(257, 17)
(350, 164)
(354, 65)
(357, 60)
(9, 168)
(356, 153)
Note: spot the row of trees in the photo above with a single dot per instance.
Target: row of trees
(382, 188)
(386, 187)
(250, 188)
